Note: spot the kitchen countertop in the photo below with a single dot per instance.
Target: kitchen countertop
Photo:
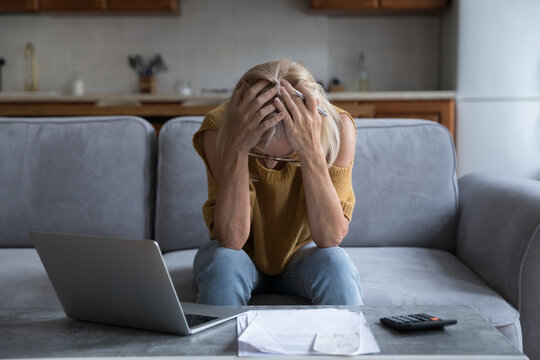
(134, 99)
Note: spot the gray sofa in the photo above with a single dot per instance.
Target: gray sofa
(414, 237)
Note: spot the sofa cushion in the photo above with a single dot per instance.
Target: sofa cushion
(180, 266)
(404, 179)
(181, 189)
(23, 281)
(416, 276)
(391, 276)
(89, 175)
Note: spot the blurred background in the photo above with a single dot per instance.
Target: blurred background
(211, 43)
(471, 65)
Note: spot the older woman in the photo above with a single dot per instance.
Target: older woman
(280, 196)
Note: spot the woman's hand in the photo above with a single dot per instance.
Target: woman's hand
(247, 111)
(303, 123)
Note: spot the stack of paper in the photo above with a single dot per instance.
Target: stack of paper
(304, 332)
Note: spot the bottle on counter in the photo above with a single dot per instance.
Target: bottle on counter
(77, 87)
(183, 87)
(2, 63)
(362, 82)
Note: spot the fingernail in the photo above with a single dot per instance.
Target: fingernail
(277, 100)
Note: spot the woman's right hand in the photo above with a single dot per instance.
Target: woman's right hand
(247, 112)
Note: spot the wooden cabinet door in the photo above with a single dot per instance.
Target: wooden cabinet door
(426, 116)
(440, 111)
(72, 5)
(344, 4)
(413, 4)
(18, 5)
(143, 5)
(356, 109)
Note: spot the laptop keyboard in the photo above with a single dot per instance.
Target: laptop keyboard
(194, 319)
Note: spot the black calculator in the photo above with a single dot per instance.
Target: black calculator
(416, 322)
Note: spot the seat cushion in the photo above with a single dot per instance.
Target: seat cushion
(391, 276)
(180, 266)
(419, 276)
(24, 282)
(87, 175)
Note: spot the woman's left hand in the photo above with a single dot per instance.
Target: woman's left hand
(302, 121)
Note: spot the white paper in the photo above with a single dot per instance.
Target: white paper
(304, 332)
(337, 344)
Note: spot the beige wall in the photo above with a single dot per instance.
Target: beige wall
(214, 41)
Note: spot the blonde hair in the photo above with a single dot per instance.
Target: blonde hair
(296, 74)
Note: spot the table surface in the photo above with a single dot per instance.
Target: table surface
(39, 333)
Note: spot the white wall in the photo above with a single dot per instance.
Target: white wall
(495, 44)
(501, 137)
(499, 48)
(214, 41)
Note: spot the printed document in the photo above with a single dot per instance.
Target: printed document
(304, 332)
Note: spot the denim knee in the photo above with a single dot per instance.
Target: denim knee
(223, 276)
(333, 278)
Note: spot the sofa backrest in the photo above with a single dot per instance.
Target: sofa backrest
(87, 175)
(405, 184)
(404, 179)
(181, 187)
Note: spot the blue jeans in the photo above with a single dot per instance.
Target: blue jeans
(326, 276)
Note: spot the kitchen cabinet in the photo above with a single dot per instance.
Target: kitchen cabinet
(18, 5)
(106, 6)
(344, 4)
(156, 112)
(413, 4)
(143, 5)
(440, 111)
(158, 108)
(70, 5)
(377, 7)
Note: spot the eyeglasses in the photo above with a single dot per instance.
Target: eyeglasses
(272, 157)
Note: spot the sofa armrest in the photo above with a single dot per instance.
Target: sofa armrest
(499, 239)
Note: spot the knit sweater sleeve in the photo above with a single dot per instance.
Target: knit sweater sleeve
(210, 123)
(342, 179)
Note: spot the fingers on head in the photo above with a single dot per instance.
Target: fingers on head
(269, 122)
(291, 102)
(283, 111)
(280, 106)
(264, 112)
(251, 92)
(311, 97)
(239, 92)
(265, 98)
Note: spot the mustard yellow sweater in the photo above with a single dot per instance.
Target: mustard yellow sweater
(279, 223)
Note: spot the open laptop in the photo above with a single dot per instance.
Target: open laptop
(120, 282)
